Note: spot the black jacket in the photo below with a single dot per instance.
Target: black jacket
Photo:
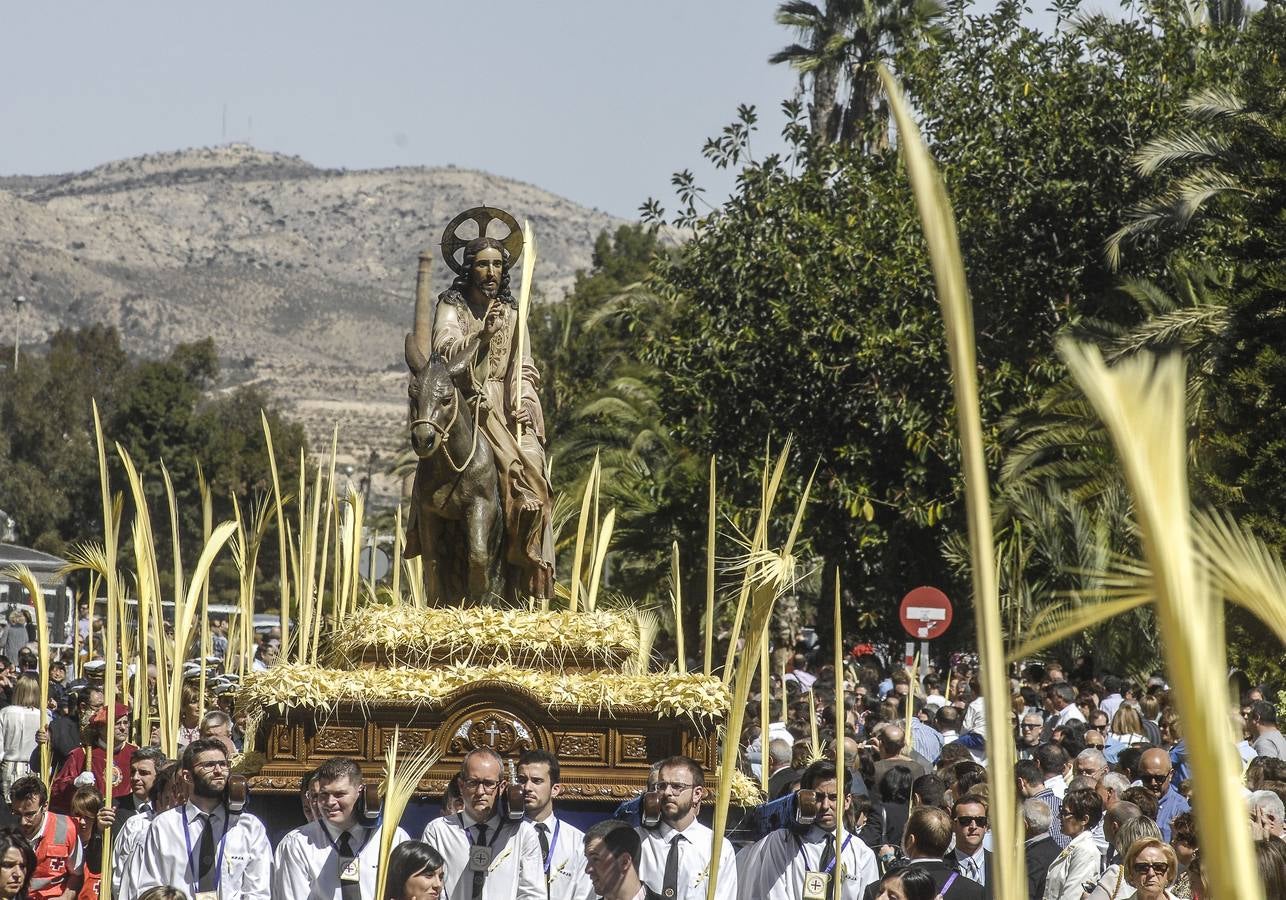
(961, 889)
(1041, 854)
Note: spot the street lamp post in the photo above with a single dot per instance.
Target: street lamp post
(18, 302)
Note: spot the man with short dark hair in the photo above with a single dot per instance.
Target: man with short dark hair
(1060, 702)
(1031, 786)
(778, 866)
(611, 850)
(562, 845)
(925, 841)
(1266, 738)
(675, 856)
(57, 875)
(201, 845)
(142, 773)
(336, 856)
(970, 825)
(489, 856)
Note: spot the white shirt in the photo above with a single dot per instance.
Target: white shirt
(773, 868)
(567, 877)
(124, 843)
(973, 867)
(306, 866)
(1057, 784)
(516, 870)
(1067, 713)
(162, 858)
(694, 861)
(18, 727)
(975, 716)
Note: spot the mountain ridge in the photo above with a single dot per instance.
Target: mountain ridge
(303, 275)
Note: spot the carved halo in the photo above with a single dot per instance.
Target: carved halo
(483, 216)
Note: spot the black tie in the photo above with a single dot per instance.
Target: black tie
(670, 886)
(542, 831)
(480, 878)
(828, 853)
(348, 890)
(205, 860)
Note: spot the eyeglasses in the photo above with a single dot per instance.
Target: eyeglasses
(665, 787)
(486, 784)
(1029, 725)
(966, 821)
(1095, 746)
(212, 764)
(1143, 868)
(1154, 779)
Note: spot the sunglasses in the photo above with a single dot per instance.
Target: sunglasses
(980, 821)
(1096, 746)
(1143, 868)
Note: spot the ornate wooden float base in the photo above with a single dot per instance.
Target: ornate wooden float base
(605, 755)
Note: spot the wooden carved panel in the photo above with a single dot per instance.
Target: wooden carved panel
(284, 745)
(337, 740)
(634, 747)
(409, 741)
(581, 745)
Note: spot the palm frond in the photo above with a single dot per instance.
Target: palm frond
(1178, 147)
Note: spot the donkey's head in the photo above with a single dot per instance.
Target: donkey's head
(435, 403)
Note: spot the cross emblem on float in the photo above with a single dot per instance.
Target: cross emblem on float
(495, 729)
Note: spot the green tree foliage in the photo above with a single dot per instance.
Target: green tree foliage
(805, 305)
(160, 410)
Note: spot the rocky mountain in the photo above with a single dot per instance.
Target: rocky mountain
(305, 277)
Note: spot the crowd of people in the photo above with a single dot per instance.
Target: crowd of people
(1102, 772)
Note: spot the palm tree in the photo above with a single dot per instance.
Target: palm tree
(842, 43)
(824, 57)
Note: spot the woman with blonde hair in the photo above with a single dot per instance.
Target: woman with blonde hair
(1150, 868)
(189, 714)
(1127, 726)
(1112, 885)
(19, 722)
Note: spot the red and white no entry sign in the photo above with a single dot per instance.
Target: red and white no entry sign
(925, 613)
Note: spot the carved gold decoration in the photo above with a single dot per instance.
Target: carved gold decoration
(580, 745)
(334, 739)
(634, 747)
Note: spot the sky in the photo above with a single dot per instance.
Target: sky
(599, 102)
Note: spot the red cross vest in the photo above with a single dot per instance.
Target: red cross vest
(53, 856)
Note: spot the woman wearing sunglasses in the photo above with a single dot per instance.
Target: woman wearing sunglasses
(1151, 867)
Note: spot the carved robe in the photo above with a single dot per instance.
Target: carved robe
(524, 487)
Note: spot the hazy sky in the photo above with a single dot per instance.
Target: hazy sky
(597, 101)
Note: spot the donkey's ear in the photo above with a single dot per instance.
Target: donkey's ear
(414, 357)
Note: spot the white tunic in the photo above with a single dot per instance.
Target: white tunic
(515, 872)
(694, 862)
(568, 879)
(124, 843)
(773, 868)
(306, 866)
(162, 858)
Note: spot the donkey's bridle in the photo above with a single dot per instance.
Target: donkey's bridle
(444, 432)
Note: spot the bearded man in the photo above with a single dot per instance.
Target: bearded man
(477, 317)
(200, 845)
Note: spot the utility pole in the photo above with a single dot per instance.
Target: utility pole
(18, 302)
